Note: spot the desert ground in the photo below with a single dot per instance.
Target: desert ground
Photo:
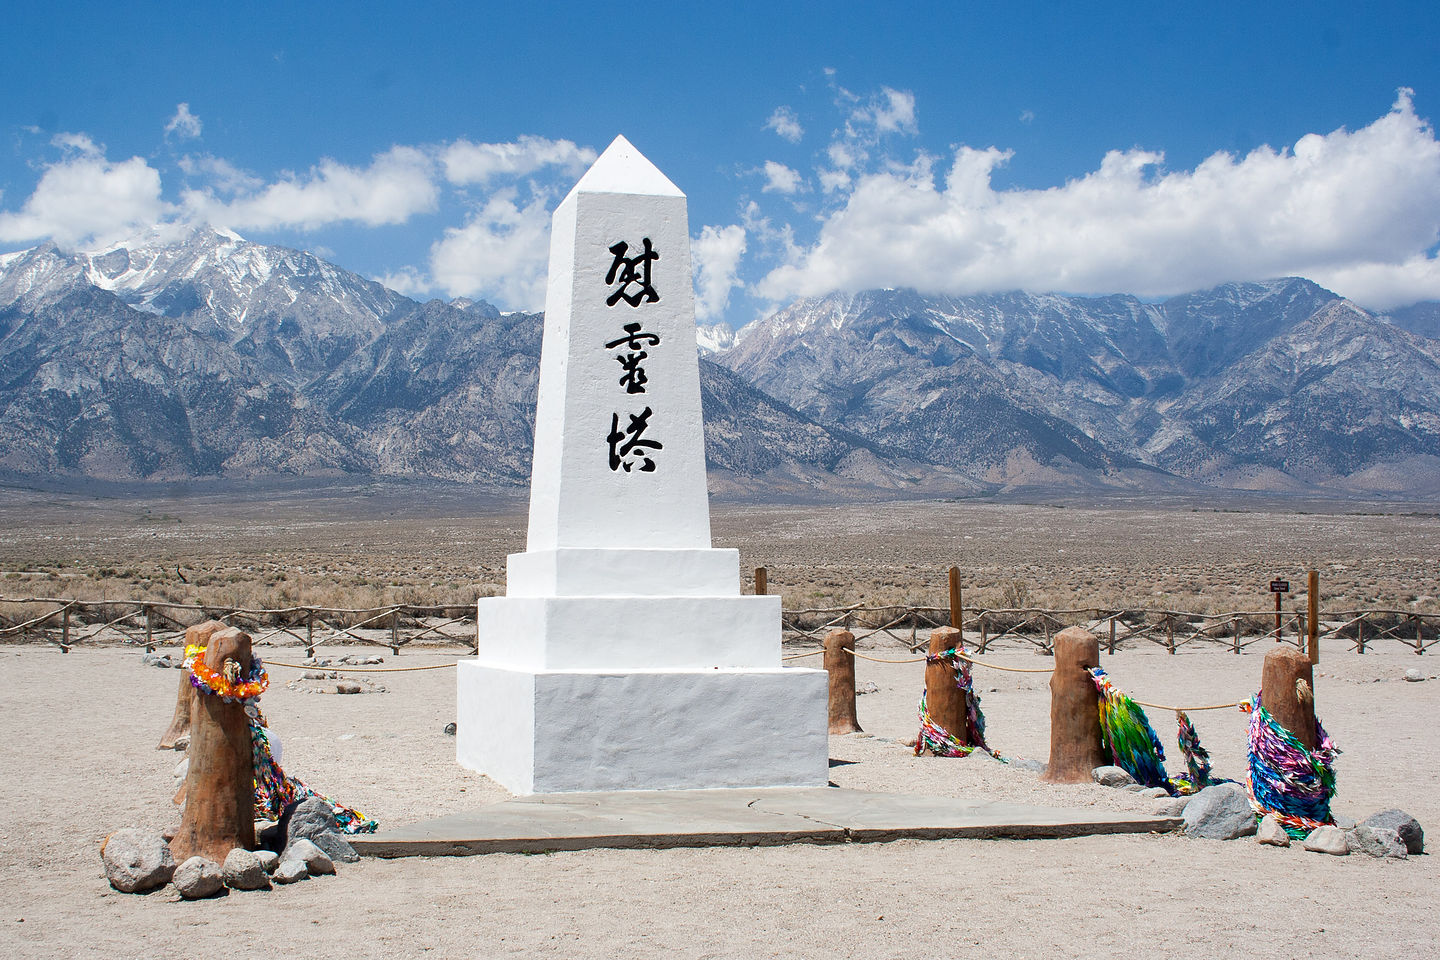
(79, 753)
(378, 544)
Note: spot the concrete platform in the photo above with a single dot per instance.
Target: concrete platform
(759, 817)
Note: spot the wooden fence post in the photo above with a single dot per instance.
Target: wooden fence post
(840, 664)
(957, 612)
(1235, 644)
(1287, 690)
(1170, 634)
(65, 630)
(1312, 619)
(1419, 635)
(220, 785)
(1075, 748)
(310, 632)
(944, 700)
(149, 629)
(984, 633)
(1360, 634)
(199, 636)
(1112, 635)
(762, 581)
(395, 631)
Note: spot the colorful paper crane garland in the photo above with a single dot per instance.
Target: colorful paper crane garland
(1287, 780)
(936, 738)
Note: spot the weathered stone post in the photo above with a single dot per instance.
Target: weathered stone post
(840, 664)
(1287, 691)
(943, 699)
(199, 636)
(1075, 748)
(220, 785)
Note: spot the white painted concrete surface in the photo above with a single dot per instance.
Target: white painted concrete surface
(623, 656)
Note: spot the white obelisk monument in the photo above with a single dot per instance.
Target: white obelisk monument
(623, 656)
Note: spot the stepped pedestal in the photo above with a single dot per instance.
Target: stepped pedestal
(623, 656)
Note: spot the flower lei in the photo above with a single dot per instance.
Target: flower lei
(239, 689)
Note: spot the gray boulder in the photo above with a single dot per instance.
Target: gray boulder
(1219, 812)
(198, 878)
(314, 820)
(291, 871)
(1171, 806)
(137, 860)
(1402, 823)
(242, 870)
(1154, 793)
(1025, 763)
(1414, 676)
(269, 860)
(1329, 840)
(336, 847)
(315, 860)
(1376, 842)
(1270, 832)
(1111, 776)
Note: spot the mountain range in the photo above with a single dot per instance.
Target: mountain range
(208, 356)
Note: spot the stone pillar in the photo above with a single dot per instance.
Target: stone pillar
(945, 700)
(840, 665)
(1292, 705)
(1075, 748)
(623, 656)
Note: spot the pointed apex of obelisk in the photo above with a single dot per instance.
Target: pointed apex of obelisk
(623, 169)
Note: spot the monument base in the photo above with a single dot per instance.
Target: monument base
(565, 731)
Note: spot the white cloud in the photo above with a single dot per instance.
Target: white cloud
(73, 143)
(716, 253)
(467, 162)
(184, 125)
(1381, 286)
(786, 124)
(83, 198)
(1027, 117)
(892, 111)
(406, 280)
(1361, 207)
(223, 176)
(501, 253)
(780, 178)
(398, 184)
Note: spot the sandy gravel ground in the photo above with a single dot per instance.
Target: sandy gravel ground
(79, 761)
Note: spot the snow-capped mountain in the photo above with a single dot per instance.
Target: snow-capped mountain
(206, 355)
(1280, 385)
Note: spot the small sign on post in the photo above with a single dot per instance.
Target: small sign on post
(1279, 588)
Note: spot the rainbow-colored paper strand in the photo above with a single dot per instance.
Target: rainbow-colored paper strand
(1288, 781)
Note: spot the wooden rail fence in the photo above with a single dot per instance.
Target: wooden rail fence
(66, 623)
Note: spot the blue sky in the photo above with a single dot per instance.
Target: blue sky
(954, 147)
